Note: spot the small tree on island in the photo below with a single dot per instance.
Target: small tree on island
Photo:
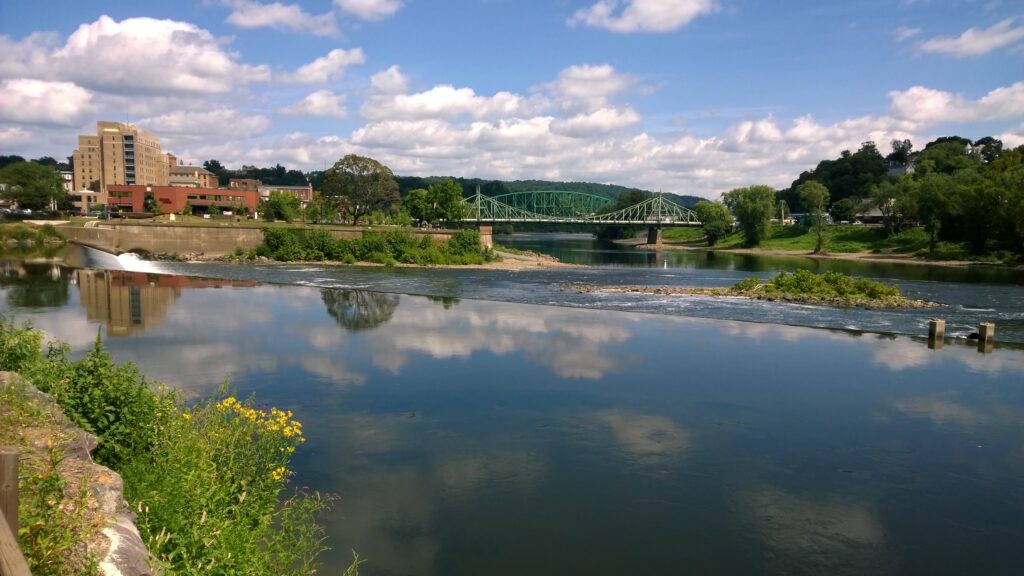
(753, 208)
(815, 198)
(715, 219)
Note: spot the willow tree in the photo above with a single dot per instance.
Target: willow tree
(358, 186)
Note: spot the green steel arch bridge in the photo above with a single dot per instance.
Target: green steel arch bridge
(566, 207)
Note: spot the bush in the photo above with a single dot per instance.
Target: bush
(206, 482)
(388, 247)
(827, 285)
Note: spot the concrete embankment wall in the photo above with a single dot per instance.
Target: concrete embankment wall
(207, 240)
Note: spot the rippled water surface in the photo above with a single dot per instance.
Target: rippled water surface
(475, 429)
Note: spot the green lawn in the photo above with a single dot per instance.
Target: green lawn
(843, 239)
(684, 235)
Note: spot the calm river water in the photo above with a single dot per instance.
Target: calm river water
(473, 428)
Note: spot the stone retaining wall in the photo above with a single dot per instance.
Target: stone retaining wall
(206, 240)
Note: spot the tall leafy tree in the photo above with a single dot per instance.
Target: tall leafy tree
(753, 208)
(417, 202)
(32, 185)
(815, 197)
(358, 185)
(223, 176)
(715, 219)
(991, 148)
(896, 199)
(445, 198)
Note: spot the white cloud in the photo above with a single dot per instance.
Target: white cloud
(642, 15)
(289, 17)
(40, 102)
(329, 67)
(443, 101)
(905, 33)
(587, 87)
(597, 122)
(319, 103)
(12, 136)
(203, 124)
(1013, 139)
(977, 41)
(136, 55)
(369, 9)
(929, 106)
(390, 81)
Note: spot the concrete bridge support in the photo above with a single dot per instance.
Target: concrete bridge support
(654, 235)
(486, 235)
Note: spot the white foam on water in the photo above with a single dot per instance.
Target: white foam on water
(133, 263)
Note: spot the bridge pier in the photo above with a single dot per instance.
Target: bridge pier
(654, 235)
(486, 235)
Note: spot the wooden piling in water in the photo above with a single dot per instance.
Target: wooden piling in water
(936, 333)
(986, 337)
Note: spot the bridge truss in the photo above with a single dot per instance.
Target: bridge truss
(576, 208)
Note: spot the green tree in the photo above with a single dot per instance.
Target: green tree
(417, 202)
(715, 219)
(850, 175)
(990, 149)
(280, 206)
(445, 198)
(945, 155)
(815, 197)
(753, 208)
(213, 210)
(32, 185)
(319, 210)
(357, 186)
(844, 210)
(900, 151)
(223, 176)
(896, 201)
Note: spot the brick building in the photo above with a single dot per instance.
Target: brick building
(172, 199)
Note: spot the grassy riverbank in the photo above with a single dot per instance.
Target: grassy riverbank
(803, 287)
(844, 240)
(210, 482)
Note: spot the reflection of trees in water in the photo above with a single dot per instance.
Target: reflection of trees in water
(358, 309)
(445, 301)
(35, 285)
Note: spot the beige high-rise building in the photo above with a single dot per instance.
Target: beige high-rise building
(118, 154)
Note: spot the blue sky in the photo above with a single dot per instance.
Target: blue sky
(689, 96)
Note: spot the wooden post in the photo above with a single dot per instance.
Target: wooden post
(12, 561)
(9, 486)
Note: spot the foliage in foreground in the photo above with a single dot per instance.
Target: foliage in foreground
(52, 515)
(827, 285)
(207, 482)
(389, 247)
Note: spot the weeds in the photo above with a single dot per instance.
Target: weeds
(209, 483)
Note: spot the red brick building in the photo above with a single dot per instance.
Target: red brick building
(172, 199)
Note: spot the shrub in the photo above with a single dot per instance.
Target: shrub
(206, 482)
(388, 247)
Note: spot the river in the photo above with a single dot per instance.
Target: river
(491, 422)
